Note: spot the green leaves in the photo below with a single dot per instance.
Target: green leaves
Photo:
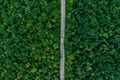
(95, 40)
(33, 70)
(29, 39)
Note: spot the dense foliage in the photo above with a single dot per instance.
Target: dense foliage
(94, 40)
(30, 37)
